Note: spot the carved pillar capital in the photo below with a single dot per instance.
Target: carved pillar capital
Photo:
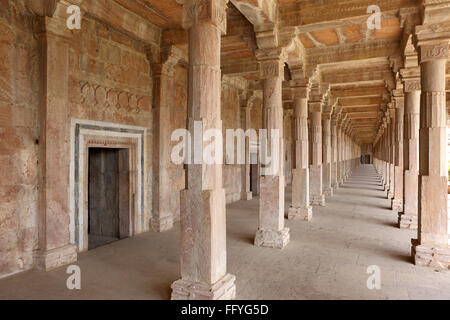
(432, 52)
(271, 62)
(205, 11)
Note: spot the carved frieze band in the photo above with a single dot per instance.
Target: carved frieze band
(103, 97)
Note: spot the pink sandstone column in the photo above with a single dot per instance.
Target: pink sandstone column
(246, 119)
(203, 224)
(431, 248)
(339, 151)
(397, 201)
(391, 153)
(384, 151)
(55, 247)
(408, 219)
(301, 208)
(387, 136)
(326, 152)
(316, 173)
(334, 153)
(272, 232)
(162, 217)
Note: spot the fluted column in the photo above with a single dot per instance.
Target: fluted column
(271, 231)
(391, 153)
(409, 218)
(334, 154)
(339, 152)
(246, 125)
(397, 201)
(431, 248)
(316, 168)
(163, 82)
(387, 138)
(203, 220)
(301, 207)
(326, 153)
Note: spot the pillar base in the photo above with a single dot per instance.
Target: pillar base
(318, 200)
(52, 259)
(407, 221)
(272, 239)
(328, 192)
(247, 196)
(300, 213)
(224, 289)
(336, 186)
(430, 256)
(162, 224)
(397, 205)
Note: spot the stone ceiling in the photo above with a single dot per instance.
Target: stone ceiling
(328, 40)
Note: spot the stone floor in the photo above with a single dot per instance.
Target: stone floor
(326, 258)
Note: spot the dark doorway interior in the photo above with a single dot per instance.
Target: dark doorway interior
(367, 159)
(109, 190)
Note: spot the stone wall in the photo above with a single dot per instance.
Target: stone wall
(110, 80)
(19, 104)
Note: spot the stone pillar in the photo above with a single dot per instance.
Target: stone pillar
(339, 152)
(334, 154)
(246, 125)
(326, 153)
(397, 201)
(344, 152)
(387, 135)
(55, 246)
(431, 248)
(203, 222)
(272, 232)
(163, 72)
(316, 173)
(391, 153)
(408, 219)
(384, 148)
(301, 208)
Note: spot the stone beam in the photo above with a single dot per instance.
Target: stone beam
(113, 14)
(261, 13)
(241, 67)
(312, 12)
(353, 51)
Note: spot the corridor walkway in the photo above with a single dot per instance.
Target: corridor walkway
(327, 258)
